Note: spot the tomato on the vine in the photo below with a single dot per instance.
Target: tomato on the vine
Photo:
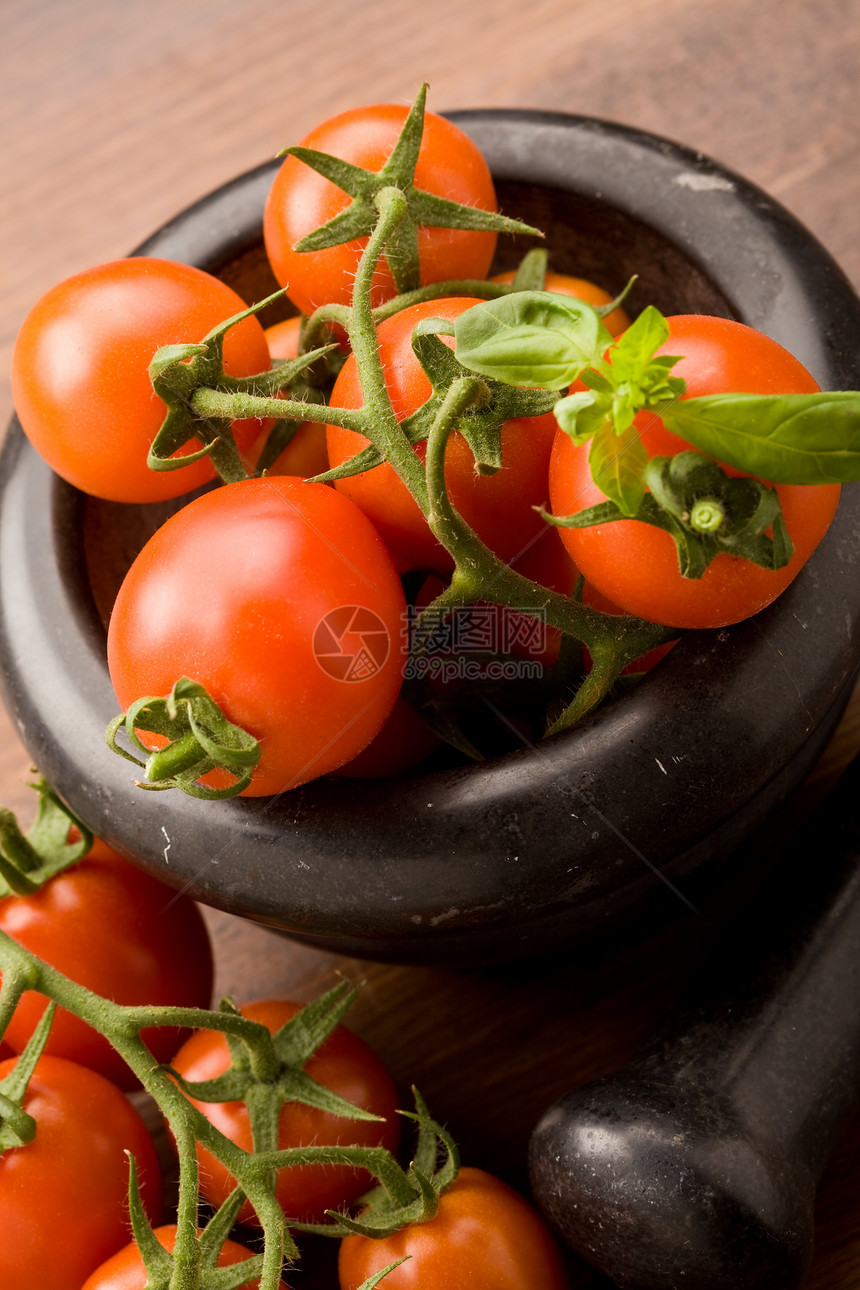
(583, 289)
(301, 200)
(122, 934)
(484, 1236)
(279, 597)
(634, 564)
(80, 371)
(499, 507)
(125, 1270)
(63, 1195)
(343, 1063)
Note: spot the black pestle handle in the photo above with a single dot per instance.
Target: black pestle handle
(697, 1164)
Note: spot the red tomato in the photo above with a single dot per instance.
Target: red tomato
(484, 1236)
(80, 371)
(345, 1064)
(402, 743)
(123, 935)
(300, 201)
(278, 596)
(634, 564)
(499, 507)
(63, 1207)
(582, 289)
(125, 1271)
(282, 338)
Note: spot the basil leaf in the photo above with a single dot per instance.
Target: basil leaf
(618, 464)
(785, 438)
(582, 414)
(531, 338)
(636, 346)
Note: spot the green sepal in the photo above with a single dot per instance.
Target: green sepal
(531, 270)
(17, 1127)
(424, 209)
(291, 1047)
(200, 738)
(435, 1165)
(27, 863)
(688, 483)
(378, 1277)
(160, 1265)
(177, 371)
(480, 425)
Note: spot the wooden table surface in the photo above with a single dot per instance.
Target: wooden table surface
(118, 113)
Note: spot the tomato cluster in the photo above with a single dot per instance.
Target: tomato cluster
(271, 614)
(283, 599)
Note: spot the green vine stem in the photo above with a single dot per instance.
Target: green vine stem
(400, 1196)
(121, 1025)
(479, 572)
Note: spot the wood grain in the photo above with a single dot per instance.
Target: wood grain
(116, 115)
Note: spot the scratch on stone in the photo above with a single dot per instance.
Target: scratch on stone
(660, 764)
(699, 183)
(169, 844)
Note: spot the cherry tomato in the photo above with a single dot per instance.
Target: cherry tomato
(123, 935)
(634, 564)
(484, 1236)
(300, 201)
(63, 1207)
(345, 1064)
(279, 597)
(582, 289)
(402, 743)
(125, 1271)
(80, 371)
(499, 507)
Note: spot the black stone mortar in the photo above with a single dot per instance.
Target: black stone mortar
(545, 846)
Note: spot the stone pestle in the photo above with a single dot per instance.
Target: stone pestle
(697, 1164)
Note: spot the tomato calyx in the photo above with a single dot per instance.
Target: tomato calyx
(424, 209)
(56, 840)
(401, 1196)
(268, 1070)
(196, 1251)
(202, 399)
(200, 740)
(483, 406)
(705, 510)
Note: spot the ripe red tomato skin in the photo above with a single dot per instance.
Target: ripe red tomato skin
(499, 507)
(634, 565)
(344, 1063)
(124, 935)
(125, 1271)
(300, 201)
(194, 605)
(484, 1236)
(403, 743)
(63, 1207)
(80, 371)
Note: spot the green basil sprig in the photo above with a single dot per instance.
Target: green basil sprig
(538, 339)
